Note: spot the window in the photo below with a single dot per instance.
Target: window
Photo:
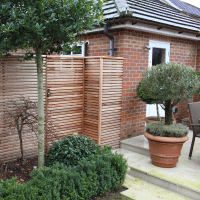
(78, 51)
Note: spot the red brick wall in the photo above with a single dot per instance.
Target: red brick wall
(129, 44)
(183, 51)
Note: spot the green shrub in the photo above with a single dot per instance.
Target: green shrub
(71, 149)
(92, 176)
(84, 171)
(172, 130)
(11, 190)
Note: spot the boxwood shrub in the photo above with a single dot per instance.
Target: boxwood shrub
(81, 170)
(92, 176)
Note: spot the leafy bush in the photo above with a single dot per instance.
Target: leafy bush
(71, 149)
(172, 130)
(92, 176)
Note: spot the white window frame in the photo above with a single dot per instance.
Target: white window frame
(158, 44)
(82, 44)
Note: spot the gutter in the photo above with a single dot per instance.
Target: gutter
(111, 40)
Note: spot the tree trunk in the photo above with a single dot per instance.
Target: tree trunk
(21, 145)
(20, 140)
(40, 109)
(158, 114)
(168, 113)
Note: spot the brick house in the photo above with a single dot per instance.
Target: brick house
(146, 32)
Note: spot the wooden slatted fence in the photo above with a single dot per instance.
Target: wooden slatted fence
(84, 97)
(17, 79)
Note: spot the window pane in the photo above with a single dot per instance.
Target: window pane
(77, 50)
(66, 52)
(158, 56)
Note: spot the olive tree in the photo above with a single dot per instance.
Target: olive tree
(167, 84)
(44, 26)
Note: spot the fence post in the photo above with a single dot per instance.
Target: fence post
(100, 100)
(83, 94)
(46, 117)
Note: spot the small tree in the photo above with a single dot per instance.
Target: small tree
(44, 26)
(22, 112)
(167, 84)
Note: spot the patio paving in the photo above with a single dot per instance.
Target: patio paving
(183, 179)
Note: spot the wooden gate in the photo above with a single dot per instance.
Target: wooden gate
(64, 95)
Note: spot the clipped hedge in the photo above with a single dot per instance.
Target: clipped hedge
(92, 176)
(78, 169)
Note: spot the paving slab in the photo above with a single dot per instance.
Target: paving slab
(142, 190)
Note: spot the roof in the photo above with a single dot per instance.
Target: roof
(157, 11)
(186, 7)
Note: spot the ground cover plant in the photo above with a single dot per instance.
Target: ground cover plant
(95, 174)
(172, 130)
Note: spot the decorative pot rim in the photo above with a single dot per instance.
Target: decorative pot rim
(166, 139)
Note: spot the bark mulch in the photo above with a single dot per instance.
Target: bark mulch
(19, 169)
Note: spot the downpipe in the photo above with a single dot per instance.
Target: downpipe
(111, 40)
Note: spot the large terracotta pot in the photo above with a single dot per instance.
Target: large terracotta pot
(165, 151)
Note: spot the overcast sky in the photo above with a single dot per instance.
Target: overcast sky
(193, 2)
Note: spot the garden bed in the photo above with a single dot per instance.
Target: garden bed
(22, 171)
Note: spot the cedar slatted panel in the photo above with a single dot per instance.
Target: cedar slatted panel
(17, 79)
(91, 98)
(111, 101)
(102, 103)
(65, 104)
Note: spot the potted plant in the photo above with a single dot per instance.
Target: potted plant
(167, 84)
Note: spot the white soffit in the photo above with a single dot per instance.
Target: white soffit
(151, 29)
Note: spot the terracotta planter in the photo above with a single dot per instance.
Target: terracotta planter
(151, 119)
(165, 151)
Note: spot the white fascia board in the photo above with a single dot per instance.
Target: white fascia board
(151, 29)
(122, 5)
